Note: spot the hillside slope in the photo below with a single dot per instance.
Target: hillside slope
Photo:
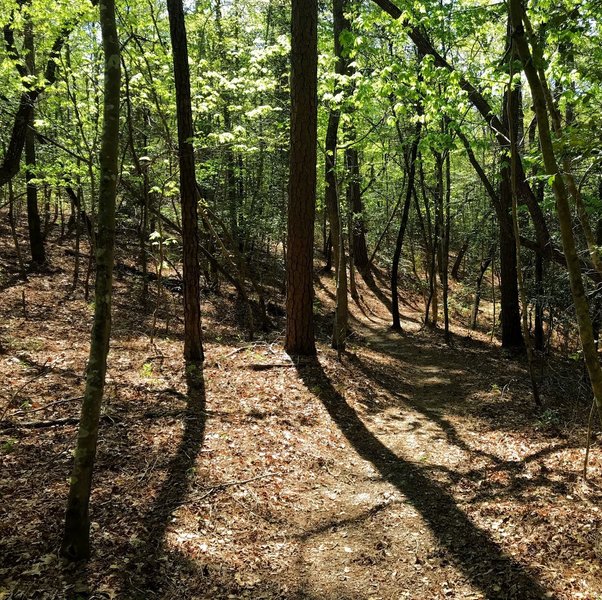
(408, 469)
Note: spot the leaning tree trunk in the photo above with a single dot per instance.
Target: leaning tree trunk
(455, 272)
(193, 344)
(402, 228)
(76, 539)
(302, 181)
(563, 209)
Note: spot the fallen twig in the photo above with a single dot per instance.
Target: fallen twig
(42, 372)
(8, 425)
(227, 484)
(63, 401)
(245, 347)
(266, 366)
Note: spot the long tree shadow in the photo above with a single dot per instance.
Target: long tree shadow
(148, 576)
(370, 282)
(393, 384)
(480, 558)
(414, 400)
(463, 366)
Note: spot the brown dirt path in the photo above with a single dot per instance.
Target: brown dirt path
(409, 470)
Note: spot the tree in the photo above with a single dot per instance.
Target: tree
(332, 196)
(193, 345)
(9, 166)
(76, 538)
(511, 328)
(38, 254)
(412, 155)
(302, 180)
(542, 107)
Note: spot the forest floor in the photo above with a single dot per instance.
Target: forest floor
(407, 469)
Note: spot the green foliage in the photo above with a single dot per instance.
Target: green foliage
(550, 418)
(240, 76)
(8, 446)
(147, 371)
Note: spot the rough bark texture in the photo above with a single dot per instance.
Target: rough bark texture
(193, 345)
(76, 540)
(510, 309)
(302, 181)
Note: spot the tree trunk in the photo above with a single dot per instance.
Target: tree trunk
(13, 227)
(562, 202)
(539, 303)
(477, 293)
(302, 181)
(331, 189)
(445, 226)
(512, 337)
(354, 197)
(36, 240)
(193, 345)
(38, 254)
(402, 228)
(502, 203)
(455, 272)
(76, 539)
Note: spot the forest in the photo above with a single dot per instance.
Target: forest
(300, 299)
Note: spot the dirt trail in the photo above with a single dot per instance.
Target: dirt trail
(408, 470)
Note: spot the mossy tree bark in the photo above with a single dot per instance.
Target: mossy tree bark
(76, 538)
(561, 195)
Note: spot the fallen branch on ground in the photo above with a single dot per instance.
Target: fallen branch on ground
(226, 484)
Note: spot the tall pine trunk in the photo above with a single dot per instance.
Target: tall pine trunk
(302, 181)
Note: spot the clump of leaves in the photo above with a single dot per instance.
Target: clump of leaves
(8, 446)
(147, 370)
(549, 419)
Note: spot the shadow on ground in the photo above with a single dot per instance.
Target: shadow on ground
(482, 560)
